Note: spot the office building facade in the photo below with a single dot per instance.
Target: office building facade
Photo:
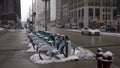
(88, 13)
(93, 12)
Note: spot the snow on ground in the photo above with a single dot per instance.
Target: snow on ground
(80, 54)
(74, 30)
(35, 58)
(84, 53)
(2, 29)
(111, 34)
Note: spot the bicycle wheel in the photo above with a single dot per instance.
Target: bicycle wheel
(72, 49)
(44, 56)
(65, 50)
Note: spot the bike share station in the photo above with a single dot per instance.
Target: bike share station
(51, 47)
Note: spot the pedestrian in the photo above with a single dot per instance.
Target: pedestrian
(99, 56)
(107, 59)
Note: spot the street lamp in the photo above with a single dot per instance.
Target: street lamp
(46, 13)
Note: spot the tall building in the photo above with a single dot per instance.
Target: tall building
(87, 13)
(10, 13)
(93, 12)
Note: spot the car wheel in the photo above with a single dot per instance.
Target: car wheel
(82, 33)
(89, 33)
(98, 34)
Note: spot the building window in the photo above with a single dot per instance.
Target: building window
(97, 13)
(75, 16)
(91, 13)
(103, 16)
(82, 3)
(108, 10)
(1, 4)
(95, 3)
(114, 4)
(89, 4)
(104, 3)
(103, 10)
(98, 3)
(115, 14)
(79, 13)
(109, 17)
(82, 13)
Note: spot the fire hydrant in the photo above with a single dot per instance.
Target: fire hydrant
(99, 56)
(107, 59)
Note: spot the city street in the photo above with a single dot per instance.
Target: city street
(13, 46)
(60, 34)
(106, 42)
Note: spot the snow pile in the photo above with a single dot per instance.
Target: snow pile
(1, 29)
(79, 54)
(31, 49)
(111, 34)
(74, 30)
(84, 53)
(35, 58)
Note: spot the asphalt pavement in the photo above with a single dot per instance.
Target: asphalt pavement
(13, 46)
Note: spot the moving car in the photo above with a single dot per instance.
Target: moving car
(89, 31)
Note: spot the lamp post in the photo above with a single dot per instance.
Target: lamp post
(46, 13)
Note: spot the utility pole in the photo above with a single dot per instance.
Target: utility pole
(32, 11)
(49, 13)
(33, 15)
(46, 17)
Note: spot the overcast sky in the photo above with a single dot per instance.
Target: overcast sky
(25, 4)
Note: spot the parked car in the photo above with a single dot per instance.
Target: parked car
(110, 28)
(75, 26)
(89, 31)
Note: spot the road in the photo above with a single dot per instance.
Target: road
(106, 42)
(13, 48)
